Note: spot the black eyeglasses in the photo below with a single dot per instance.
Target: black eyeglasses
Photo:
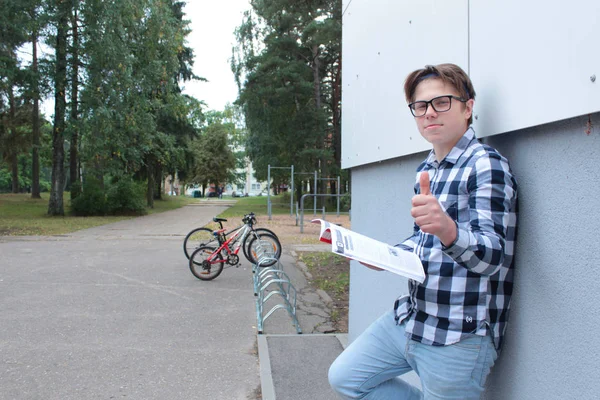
(439, 104)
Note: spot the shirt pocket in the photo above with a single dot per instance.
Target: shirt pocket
(456, 206)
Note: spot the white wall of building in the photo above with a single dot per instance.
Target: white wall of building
(531, 62)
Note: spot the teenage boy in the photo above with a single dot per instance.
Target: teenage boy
(449, 328)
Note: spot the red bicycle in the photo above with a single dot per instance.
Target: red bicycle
(207, 262)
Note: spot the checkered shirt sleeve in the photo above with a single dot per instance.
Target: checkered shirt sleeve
(468, 284)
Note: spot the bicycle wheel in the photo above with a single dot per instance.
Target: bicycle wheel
(196, 238)
(246, 245)
(264, 245)
(202, 268)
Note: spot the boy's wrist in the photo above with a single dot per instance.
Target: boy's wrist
(449, 236)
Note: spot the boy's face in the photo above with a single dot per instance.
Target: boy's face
(442, 129)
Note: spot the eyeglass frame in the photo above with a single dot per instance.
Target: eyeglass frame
(430, 102)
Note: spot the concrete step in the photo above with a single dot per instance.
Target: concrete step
(295, 367)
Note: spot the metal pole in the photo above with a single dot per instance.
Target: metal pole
(338, 196)
(292, 194)
(315, 192)
(269, 191)
(302, 213)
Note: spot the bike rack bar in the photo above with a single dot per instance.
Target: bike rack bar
(270, 282)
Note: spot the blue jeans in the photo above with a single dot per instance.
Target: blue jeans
(370, 366)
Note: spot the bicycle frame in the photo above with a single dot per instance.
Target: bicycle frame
(225, 244)
(247, 229)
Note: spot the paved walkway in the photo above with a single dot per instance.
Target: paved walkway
(113, 312)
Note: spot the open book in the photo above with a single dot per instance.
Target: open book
(370, 251)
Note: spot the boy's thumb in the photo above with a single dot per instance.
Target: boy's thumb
(424, 183)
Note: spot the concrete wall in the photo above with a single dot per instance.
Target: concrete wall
(552, 347)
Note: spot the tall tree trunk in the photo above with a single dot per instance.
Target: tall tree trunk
(73, 150)
(35, 117)
(322, 163)
(316, 78)
(55, 205)
(158, 180)
(151, 184)
(14, 165)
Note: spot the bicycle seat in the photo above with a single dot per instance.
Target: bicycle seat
(219, 219)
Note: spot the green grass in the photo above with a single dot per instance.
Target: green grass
(170, 203)
(21, 215)
(329, 271)
(257, 205)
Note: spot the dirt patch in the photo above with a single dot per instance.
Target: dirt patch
(289, 233)
(331, 273)
(8, 231)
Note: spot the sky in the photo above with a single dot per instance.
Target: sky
(212, 37)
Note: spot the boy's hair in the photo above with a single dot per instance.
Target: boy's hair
(450, 74)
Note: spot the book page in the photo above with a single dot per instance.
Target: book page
(370, 251)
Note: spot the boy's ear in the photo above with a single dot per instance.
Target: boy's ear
(469, 108)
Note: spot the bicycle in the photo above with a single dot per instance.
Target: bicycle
(207, 262)
(204, 236)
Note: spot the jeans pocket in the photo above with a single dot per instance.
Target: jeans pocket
(485, 362)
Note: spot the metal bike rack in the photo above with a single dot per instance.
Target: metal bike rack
(272, 281)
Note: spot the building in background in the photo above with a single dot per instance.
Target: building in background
(250, 187)
(171, 186)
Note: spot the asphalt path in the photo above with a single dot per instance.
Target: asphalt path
(113, 312)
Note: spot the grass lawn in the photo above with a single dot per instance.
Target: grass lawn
(257, 205)
(21, 215)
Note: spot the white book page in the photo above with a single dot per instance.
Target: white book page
(370, 251)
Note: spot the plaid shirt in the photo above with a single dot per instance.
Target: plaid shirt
(468, 285)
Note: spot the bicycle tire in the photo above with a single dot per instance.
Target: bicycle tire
(196, 238)
(199, 267)
(272, 241)
(245, 245)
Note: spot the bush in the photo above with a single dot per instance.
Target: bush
(45, 186)
(345, 202)
(126, 197)
(75, 190)
(91, 201)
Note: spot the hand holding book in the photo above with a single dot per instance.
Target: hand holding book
(371, 252)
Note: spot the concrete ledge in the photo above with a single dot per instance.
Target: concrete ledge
(294, 367)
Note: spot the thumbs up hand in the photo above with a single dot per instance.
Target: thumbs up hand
(430, 216)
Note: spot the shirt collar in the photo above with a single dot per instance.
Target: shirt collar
(458, 149)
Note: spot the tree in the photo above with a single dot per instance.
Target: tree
(290, 86)
(134, 117)
(35, 167)
(214, 159)
(12, 35)
(74, 115)
(115, 74)
(37, 85)
(55, 205)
